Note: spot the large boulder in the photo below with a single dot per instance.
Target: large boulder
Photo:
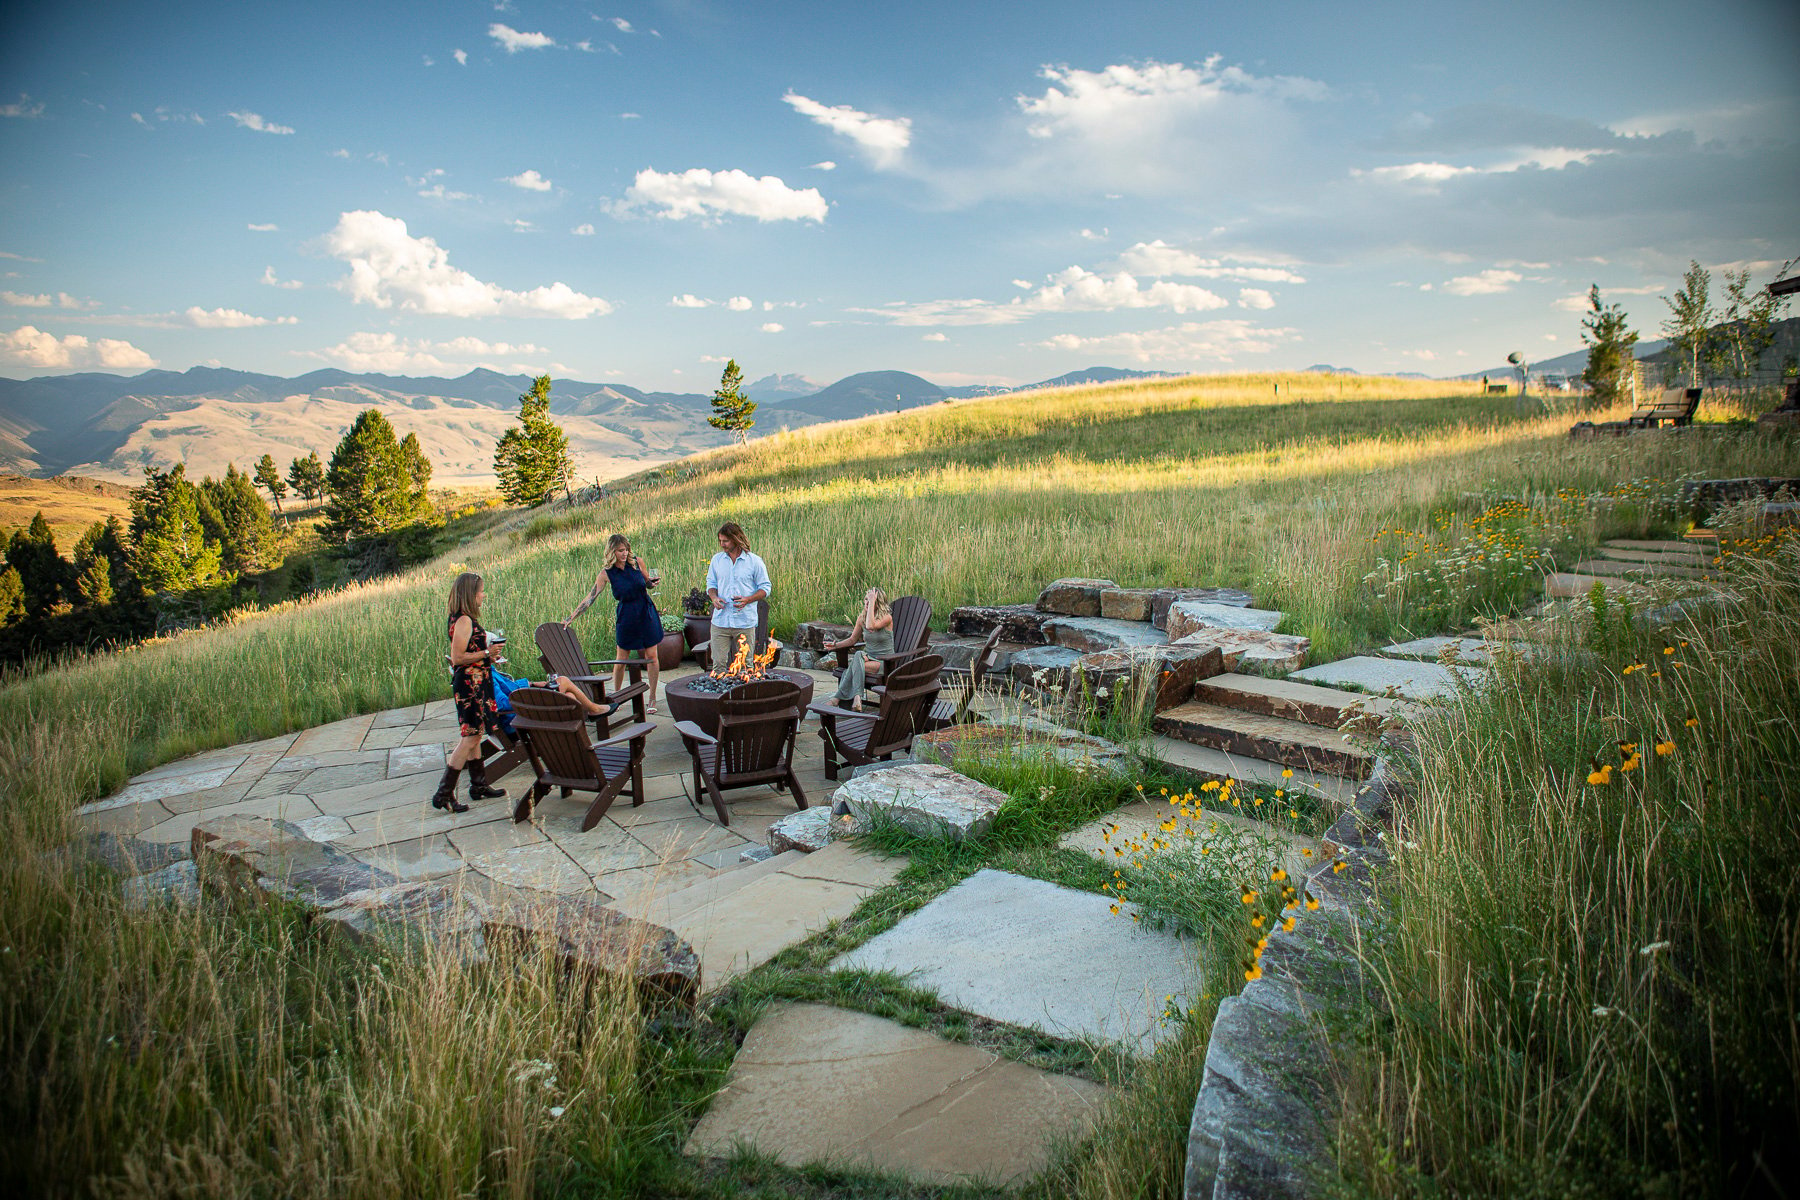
(1166, 598)
(263, 859)
(1043, 667)
(1170, 671)
(591, 939)
(1074, 597)
(1088, 634)
(1196, 616)
(925, 799)
(1019, 623)
(809, 829)
(1127, 604)
(812, 635)
(1253, 647)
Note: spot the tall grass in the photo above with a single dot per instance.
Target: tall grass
(1594, 959)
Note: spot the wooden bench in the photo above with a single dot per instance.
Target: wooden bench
(1675, 405)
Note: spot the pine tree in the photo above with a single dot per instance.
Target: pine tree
(418, 473)
(100, 568)
(731, 408)
(307, 475)
(369, 483)
(1689, 327)
(268, 475)
(1609, 343)
(532, 460)
(170, 551)
(44, 573)
(235, 515)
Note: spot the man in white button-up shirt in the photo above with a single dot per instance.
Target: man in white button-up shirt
(736, 579)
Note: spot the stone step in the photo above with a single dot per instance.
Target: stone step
(1690, 557)
(1202, 763)
(1602, 566)
(1470, 649)
(1272, 739)
(1322, 706)
(666, 909)
(1668, 547)
(1564, 585)
(1408, 679)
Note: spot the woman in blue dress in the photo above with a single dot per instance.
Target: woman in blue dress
(639, 624)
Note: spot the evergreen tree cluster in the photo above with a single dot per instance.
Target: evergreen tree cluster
(192, 550)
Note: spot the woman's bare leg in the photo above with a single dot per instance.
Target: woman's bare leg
(466, 749)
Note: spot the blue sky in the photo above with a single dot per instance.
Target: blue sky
(975, 193)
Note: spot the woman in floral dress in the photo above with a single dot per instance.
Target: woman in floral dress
(472, 683)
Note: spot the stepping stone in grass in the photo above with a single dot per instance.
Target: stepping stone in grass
(1041, 956)
(1471, 650)
(814, 1083)
(1413, 680)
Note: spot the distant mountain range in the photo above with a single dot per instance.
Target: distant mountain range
(113, 426)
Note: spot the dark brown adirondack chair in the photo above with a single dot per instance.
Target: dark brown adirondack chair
(555, 734)
(912, 632)
(559, 649)
(755, 745)
(964, 684)
(856, 739)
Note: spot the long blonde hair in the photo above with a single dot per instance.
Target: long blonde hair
(465, 596)
(612, 545)
(882, 607)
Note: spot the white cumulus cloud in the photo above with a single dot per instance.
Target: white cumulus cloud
(28, 346)
(250, 120)
(1075, 289)
(230, 318)
(461, 57)
(1255, 298)
(739, 304)
(883, 139)
(269, 277)
(515, 41)
(585, 229)
(1193, 342)
(43, 300)
(827, 165)
(702, 193)
(390, 268)
(530, 181)
(269, 228)
(772, 327)
(689, 300)
(1486, 283)
(389, 352)
(936, 337)
(24, 108)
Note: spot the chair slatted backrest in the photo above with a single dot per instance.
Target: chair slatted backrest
(912, 623)
(559, 649)
(556, 734)
(911, 688)
(984, 660)
(757, 723)
(762, 626)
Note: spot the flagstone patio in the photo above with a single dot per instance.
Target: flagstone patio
(364, 785)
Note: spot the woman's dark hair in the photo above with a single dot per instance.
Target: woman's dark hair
(464, 593)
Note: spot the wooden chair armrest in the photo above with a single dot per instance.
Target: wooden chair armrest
(634, 665)
(890, 661)
(628, 734)
(693, 733)
(833, 711)
(629, 691)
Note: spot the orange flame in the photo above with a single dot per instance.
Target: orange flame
(745, 665)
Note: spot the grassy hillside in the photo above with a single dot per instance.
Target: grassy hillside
(275, 1063)
(70, 503)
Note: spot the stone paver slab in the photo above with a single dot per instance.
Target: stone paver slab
(1413, 680)
(196, 763)
(416, 759)
(872, 1092)
(163, 786)
(415, 858)
(1471, 650)
(750, 926)
(331, 758)
(330, 779)
(126, 820)
(844, 862)
(338, 735)
(544, 867)
(180, 828)
(368, 797)
(489, 837)
(385, 738)
(397, 717)
(226, 793)
(635, 890)
(1194, 616)
(1034, 954)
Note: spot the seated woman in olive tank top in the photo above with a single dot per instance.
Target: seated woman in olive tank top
(875, 628)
